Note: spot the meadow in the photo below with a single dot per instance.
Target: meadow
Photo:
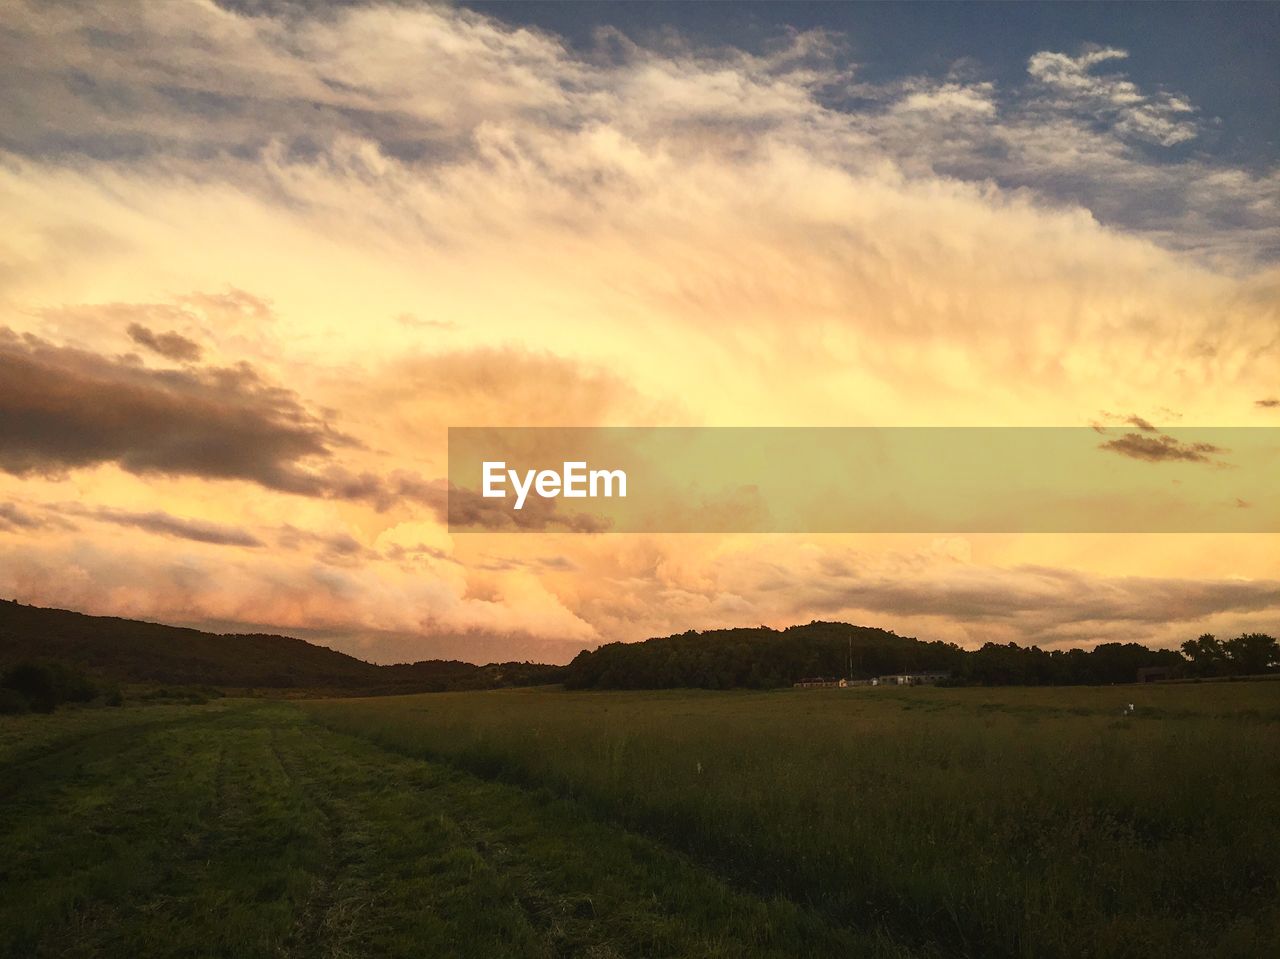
(983, 822)
(540, 822)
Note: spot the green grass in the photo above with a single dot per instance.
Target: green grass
(1010, 822)
(540, 823)
(243, 829)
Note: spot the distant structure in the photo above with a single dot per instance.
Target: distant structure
(911, 679)
(898, 679)
(1156, 674)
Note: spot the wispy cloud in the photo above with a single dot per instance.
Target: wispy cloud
(171, 345)
(1161, 449)
(165, 524)
(1072, 84)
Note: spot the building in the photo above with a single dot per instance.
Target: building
(899, 679)
(912, 679)
(1155, 674)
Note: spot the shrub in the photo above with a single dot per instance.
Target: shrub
(47, 685)
(13, 702)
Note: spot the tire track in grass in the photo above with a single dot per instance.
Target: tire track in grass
(32, 766)
(551, 880)
(86, 828)
(264, 834)
(325, 924)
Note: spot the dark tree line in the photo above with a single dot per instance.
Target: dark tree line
(128, 651)
(38, 686)
(765, 658)
(1247, 655)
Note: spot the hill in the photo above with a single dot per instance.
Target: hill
(763, 658)
(127, 650)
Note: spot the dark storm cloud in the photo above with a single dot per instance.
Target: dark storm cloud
(171, 345)
(1268, 404)
(1140, 423)
(1160, 449)
(62, 408)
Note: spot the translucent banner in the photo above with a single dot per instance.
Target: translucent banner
(864, 479)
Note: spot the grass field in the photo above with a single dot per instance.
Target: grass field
(924, 822)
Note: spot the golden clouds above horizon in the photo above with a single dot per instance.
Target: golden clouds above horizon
(332, 235)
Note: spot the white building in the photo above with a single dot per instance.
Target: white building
(912, 679)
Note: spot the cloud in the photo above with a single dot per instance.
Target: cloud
(373, 610)
(64, 408)
(198, 316)
(67, 408)
(950, 100)
(1269, 403)
(1160, 118)
(649, 588)
(655, 233)
(164, 524)
(1160, 449)
(511, 385)
(1044, 596)
(467, 510)
(13, 519)
(170, 345)
(258, 95)
(418, 323)
(337, 547)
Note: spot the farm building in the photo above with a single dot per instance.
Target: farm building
(912, 679)
(1155, 674)
(820, 682)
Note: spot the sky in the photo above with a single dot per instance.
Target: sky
(258, 258)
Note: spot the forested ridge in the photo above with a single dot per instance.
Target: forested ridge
(130, 651)
(762, 658)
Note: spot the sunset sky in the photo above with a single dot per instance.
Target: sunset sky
(259, 256)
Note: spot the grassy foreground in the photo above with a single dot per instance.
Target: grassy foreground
(980, 822)
(243, 830)
(1029, 822)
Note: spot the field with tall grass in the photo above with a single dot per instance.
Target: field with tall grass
(542, 823)
(243, 830)
(979, 822)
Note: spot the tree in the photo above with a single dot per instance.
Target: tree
(1252, 653)
(1205, 655)
(46, 685)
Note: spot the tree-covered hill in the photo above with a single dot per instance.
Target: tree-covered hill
(762, 658)
(126, 650)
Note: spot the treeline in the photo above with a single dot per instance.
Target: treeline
(758, 658)
(1247, 655)
(35, 686)
(765, 658)
(129, 651)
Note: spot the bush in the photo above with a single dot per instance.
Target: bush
(13, 702)
(46, 686)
